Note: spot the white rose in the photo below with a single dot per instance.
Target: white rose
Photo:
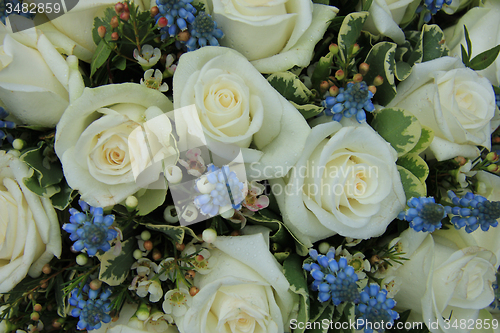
(104, 140)
(245, 292)
(455, 102)
(236, 105)
(344, 182)
(484, 31)
(29, 230)
(37, 84)
(442, 280)
(274, 34)
(386, 15)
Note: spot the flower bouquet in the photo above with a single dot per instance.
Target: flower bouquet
(230, 166)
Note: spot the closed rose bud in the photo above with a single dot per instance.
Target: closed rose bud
(101, 31)
(334, 91)
(193, 290)
(154, 11)
(148, 245)
(339, 75)
(46, 269)
(156, 255)
(492, 168)
(114, 22)
(355, 48)
(37, 307)
(333, 48)
(119, 7)
(363, 68)
(95, 284)
(190, 274)
(492, 156)
(162, 22)
(357, 77)
(183, 36)
(115, 36)
(180, 246)
(125, 7)
(125, 16)
(373, 89)
(378, 80)
(323, 86)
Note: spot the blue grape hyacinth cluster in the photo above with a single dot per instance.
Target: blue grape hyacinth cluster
(424, 214)
(473, 211)
(7, 125)
(204, 31)
(90, 229)
(352, 101)
(375, 308)
(179, 13)
(91, 306)
(431, 7)
(224, 190)
(333, 279)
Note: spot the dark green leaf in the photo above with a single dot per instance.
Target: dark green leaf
(350, 32)
(290, 87)
(433, 45)
(176, 233)
(114, 269)
(47, 173)
(469, 43)
(318, 325)
(64, 197)
(484, 59)
(100, 56)
(308, 110)
(382, 62)
(465, 56)
(120, 63)
(292, 269)
(367, 5)
(60, 299)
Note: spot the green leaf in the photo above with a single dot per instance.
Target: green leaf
(34, 186)
(424, 141)
(381, 61)
(469, 43)
(308, 110)
(484, 59)
(292, 269)
(398, 127)
(322, 70)
(64, 197)
(47, 173)
(176, 233)
(150, 200)
(367, 4)
(290, 87)
(100, 56)
(326, 314)
(120, 63)
(465, 56)
(496, 89)
(416, 165)
(114, 269)
(433, 43)
(403, 70)
(350, 32)
(411, 184)
(60, 299)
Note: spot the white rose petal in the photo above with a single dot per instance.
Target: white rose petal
(29, 229)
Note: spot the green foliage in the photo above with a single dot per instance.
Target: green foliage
(175, 233)
(290, 87)
(482, 60)
(350, 32)
(412, 186)
(114, 269)
(381, 59)
(292, 269)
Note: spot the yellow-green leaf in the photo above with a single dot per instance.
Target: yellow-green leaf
(350, 31)
(308, 110)
(381, 59)
(176, 233)
(425, 140)
(416, 165)
(114, 269)
(290, 86)
(411, 184)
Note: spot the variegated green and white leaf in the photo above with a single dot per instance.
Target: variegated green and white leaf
(425, 140)
(325, 315)
(433, 43)
(412, 186)
(175, 232)
(398, 127)
(114, 269)
(416, 165)
(350, 31)
(290, 87)
(292, 269)
(382, 62)
(403, 70)
(308, 110)
(322, 70)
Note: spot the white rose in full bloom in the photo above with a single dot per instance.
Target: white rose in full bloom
(245, 292)
(236, 105)
(454, 101)
(274, 34)
(484, 31)
(386, 15)
(108, 136)
(443, 279)
(29, 230)
(36, 83)
(344, 182)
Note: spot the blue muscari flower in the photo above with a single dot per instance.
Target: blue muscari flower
(352, 101)
(227, 192)
(374, 307)
(334, 280)
(7, 125)
(424, 214)
(473, 211)
(179, 13)
(431, 7)
(90, 229)
(15, 4)
(203, 31)
(92, 309)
